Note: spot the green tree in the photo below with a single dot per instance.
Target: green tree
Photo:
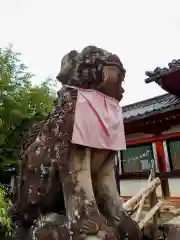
(21, 103)
(5, 220)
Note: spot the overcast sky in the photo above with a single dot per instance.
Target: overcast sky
(143, 33)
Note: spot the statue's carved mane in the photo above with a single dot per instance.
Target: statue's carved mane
(30, 135)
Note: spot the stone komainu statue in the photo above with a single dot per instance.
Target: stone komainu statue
(69, 190)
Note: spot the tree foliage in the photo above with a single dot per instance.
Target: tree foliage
(21, 103)
(5, 220)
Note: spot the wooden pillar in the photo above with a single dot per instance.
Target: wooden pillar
(162, 167)
(161, 156)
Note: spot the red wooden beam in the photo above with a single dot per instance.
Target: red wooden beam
(153, 139)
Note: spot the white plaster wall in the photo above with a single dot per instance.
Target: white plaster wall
(174, 187)
(129, 187)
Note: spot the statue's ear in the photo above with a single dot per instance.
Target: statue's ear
(68, 64)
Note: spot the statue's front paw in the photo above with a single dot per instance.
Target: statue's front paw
(88, 226)
(94, 226)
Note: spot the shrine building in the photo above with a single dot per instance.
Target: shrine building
(152, 129)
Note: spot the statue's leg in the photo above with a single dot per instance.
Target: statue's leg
(108, 196)
(106, 189)
(81, 208)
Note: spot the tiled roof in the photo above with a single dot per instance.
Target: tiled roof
(149, 107)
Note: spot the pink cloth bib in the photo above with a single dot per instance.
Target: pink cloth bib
(98, 121)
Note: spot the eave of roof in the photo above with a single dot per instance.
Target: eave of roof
(150, 107)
